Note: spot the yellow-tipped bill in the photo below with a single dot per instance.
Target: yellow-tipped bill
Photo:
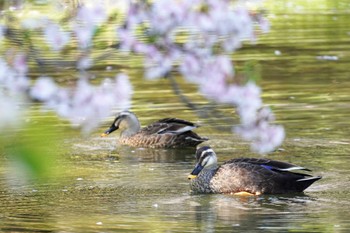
(243, 193)
(190, 177)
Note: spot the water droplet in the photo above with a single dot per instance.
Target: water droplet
(278, 53)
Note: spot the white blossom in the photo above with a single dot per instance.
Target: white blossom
(94, 14)
(84, 63)
(44, 89)
(55, 36)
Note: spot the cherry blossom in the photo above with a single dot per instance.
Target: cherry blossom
(13, 75)
(5, 71)
(268, 139)
(20, 63)
(85, 105)
(84, 35)
(157, 64)
(127, 39)
(87, 20)
(15, 83)
(124, 90)
(85, 62)
(92, 15)
(2, 32)
(9, 118)
(44, 89)
(192, 37)
(191, 66)
(55, 36)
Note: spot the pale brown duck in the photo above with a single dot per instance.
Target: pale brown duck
(165, 133)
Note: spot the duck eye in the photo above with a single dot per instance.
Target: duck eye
(204, 154)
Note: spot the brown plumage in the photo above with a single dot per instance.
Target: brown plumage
(165, 133)
(249, 175)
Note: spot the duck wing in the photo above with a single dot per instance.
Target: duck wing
(270, 164)
(169, 126)
(177, 121)
(265, 176)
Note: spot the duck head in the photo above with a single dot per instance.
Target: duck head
(127, 122)
(206, 159)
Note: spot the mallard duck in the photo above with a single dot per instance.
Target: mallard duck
(246, 176)
(165, 133)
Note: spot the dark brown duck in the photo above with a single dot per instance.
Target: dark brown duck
(246, 176)
(165, 133)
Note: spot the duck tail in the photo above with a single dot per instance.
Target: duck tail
(303, 183)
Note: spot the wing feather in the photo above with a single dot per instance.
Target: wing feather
(169, 125)
(270, 164)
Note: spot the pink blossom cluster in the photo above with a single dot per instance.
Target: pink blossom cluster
(256, 126)
(83, 26)
(55, 36)
(2, 30)
(10, 111)
(13, 83)
(13, 71)
(192, 37)
(80, 31)
(87, 20)
(216, 29)
(85, 105)
(256, 120)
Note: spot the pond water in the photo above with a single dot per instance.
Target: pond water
(103, 187)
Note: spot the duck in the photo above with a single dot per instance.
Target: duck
(164, 133)
(246, 176)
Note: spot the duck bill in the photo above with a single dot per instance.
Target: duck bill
(198, 168)
(110, 130)
(190, 177)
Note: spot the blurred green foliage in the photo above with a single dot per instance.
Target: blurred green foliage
(34, 148)
(252, 70)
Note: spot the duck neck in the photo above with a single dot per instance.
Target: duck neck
(202, 183)
(133, 126)
(208, 173)
(209, 170)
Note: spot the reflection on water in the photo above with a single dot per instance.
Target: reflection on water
(105, 187)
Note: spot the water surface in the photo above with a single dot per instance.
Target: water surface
(105, 188)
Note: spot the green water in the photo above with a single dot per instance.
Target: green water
(101, 187)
